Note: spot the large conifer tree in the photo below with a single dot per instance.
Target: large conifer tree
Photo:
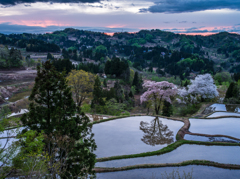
(137, 82)
(52, 110)
(97, 93)
(231, 91)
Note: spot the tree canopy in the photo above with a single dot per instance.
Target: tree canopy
(81, 83)
(157, 93)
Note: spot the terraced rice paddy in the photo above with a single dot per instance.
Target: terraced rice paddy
(147, 147)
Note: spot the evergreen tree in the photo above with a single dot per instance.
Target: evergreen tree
(50, 56)
(131, 94)
(52, 110)
(232, 91)
(126, 94)
(15, 58)
(97, 93)
(186, 83)
(111, 94)
(137, 82)
(118, 91)
(105, 82)
(135, 79)
(150, 69)
(167, 109)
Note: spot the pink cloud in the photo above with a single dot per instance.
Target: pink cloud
(38, 23)
(115, 26)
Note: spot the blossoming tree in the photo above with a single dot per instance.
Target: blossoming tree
(203, 86)
(157, 93)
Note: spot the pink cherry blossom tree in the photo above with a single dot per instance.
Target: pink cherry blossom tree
(157, 93)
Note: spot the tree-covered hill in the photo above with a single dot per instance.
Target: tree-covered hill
(144, 49)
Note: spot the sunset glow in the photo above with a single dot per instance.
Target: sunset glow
(117, 16)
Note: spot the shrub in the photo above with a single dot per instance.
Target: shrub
(86, 108)
(188, 110)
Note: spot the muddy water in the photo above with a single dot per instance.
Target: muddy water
(134, 135)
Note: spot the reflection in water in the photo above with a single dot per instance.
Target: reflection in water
(232, 108)
(222, 107)
(156, 133)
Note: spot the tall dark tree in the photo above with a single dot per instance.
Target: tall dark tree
(135, 79)
(111, 94)
(50, 56)
(53, 111)
(118, 91)
(105, 82)
(137, 82)
(15, 58)
(167, 109)
(232, 91)
(131, 94)
(97, 93)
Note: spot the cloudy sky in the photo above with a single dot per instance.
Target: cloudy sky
(180, 16)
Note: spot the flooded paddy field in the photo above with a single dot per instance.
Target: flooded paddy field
(197, 172)
(220, 154)
(221, 126)
(222, 114)
(209, 139)
(133, 135)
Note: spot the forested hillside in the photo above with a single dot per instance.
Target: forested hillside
(169, 53)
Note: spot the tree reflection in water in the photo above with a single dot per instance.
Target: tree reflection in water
(232, 108)
(156, 133)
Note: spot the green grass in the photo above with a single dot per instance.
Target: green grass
(19, 96)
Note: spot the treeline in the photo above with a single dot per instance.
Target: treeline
(191, 64)
(39, 46)
(116, 67)
(31, 45)
(63, 65)
(90, 67)
(66, 65)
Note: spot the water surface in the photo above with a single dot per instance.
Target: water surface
(209, 139)
(219, 114)
(221, 154)
(198, 172)
(8, 137)
(222, 126)
(133, 135)
(224, 107)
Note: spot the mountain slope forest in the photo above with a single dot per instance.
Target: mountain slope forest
(163, 52)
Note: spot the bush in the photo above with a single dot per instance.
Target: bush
(222, 77)
(86, 108)
(189, 109)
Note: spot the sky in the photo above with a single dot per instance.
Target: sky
(192, 17)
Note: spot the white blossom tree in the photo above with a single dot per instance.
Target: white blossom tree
(203, 86)
(157, 93)
(185, 97)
